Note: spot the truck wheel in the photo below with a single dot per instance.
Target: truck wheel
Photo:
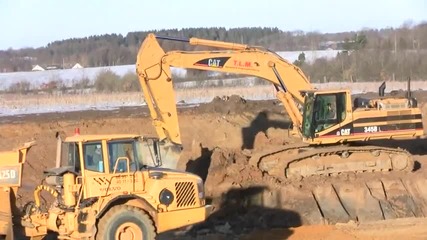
(124, 222)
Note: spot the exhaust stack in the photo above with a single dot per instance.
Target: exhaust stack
(408, 93)
(381, 89)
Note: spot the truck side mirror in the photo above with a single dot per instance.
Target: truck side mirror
(58, 149)
(157, 155)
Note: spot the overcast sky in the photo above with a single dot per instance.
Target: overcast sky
(35, 23)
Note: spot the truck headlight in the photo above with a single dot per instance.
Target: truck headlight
(201, 188)
(166, 197)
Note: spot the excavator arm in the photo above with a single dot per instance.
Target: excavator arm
(153, 69)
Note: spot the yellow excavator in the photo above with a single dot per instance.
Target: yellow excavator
(334, 128)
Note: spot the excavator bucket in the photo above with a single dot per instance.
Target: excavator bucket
(170, 154)
(10, 180)
(157, 153)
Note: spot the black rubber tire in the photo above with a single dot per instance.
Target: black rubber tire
(120, 214)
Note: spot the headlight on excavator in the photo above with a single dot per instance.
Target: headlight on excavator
(201, 188)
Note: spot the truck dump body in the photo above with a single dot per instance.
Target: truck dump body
(10, 180)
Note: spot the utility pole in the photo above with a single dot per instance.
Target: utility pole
(395, 44)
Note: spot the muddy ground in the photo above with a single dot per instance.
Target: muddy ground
(248, 204)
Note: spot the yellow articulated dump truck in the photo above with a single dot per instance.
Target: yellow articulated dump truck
(104, 187)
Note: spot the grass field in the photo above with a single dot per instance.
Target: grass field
(14, 101)
(20, 104)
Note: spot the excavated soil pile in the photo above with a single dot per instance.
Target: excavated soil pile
(236, 104)
(246, 199)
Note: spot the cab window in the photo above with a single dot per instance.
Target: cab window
(329, 110)
(119, 153)
(70, 156)
(93, 156)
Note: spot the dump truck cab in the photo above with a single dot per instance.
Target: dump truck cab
(109, 154)
(114, 187)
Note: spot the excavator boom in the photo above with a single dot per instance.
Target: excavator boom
(153, 69)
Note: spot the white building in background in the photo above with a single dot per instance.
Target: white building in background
(77, 65)
(37, 68)
(39, 75)
(310, 56)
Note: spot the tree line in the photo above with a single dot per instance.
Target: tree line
(105, 81)
(369, 54)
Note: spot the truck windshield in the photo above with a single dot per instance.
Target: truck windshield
(123, 149)
(308, 115)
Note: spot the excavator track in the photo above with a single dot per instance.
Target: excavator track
(302, 160)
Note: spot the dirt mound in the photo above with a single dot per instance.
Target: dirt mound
(245, 198)
(240, 192)
(235, 104)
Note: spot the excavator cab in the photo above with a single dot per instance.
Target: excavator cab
(322, 111)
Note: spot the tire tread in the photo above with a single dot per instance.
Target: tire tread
(116, 211)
